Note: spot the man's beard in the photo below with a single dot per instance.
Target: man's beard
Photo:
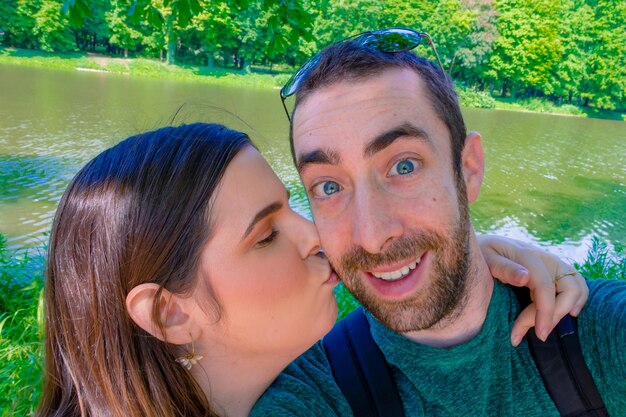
(444, 296)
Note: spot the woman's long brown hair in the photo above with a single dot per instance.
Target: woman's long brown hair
(138, 212)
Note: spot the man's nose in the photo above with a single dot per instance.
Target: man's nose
(375, 222)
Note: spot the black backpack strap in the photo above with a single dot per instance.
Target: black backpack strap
(563, 369)
(360, 368)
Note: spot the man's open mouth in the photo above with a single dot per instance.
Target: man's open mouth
(399, 273)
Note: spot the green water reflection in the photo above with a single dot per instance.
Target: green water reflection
(552, 180)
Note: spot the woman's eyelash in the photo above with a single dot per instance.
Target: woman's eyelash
(267, 240)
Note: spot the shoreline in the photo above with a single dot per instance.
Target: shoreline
(259, 78)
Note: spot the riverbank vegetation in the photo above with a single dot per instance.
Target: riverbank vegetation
(21, 318)
(21, 331)
(259, 77)
(142, 67)
(566, 57)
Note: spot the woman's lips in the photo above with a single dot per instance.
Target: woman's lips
(332, 278)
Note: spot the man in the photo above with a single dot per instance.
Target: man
(380, 143)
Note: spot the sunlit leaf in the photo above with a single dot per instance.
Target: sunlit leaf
(77, 11)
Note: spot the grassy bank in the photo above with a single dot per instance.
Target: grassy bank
(21, 326)
(140, 67)
(541, 105)
(258, 78)
(483, 100)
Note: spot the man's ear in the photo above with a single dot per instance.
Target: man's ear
(177, 325)
(473, 161)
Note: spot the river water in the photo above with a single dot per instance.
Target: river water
(551, 180)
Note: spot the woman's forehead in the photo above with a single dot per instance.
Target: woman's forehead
(249, 184)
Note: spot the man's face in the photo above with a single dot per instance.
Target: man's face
(376, 163)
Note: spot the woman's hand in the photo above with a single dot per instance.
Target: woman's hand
(523, 265)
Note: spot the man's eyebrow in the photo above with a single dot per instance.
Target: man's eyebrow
(317, 156)
(263, 213)
(385, 139)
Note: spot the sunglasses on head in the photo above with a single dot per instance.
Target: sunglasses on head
(391, 40)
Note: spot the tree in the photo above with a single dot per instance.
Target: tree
(18, 22)
(123, 33)
(474, 52)
(94, 31)
(575, 20)
(216, 29)
(289, 23)
(604, 81)
(452, 26)
(52, 27)
(528, 46)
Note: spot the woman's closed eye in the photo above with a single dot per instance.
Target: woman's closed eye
(268, 240)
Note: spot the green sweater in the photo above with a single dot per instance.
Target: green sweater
(485, 376)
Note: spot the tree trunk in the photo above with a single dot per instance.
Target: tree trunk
(211, 60)
(170, 38)
(171, 52)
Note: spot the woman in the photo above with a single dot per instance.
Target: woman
(179, 281)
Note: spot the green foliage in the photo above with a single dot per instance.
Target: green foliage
(602, 263)
(527, 46)
(52, 28)
(18, 22)
(21, 326)
(543, 105)
(473, 98)
(124, 34)
(569, 52)
(345, 301)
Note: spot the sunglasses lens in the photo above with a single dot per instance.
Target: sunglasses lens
(393, 40)
(294, 82)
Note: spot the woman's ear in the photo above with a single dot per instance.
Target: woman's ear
(177, 326)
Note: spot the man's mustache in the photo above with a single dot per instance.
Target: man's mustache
(403, 248)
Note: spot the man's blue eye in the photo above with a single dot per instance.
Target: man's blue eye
(403, 167)
(330, 187)
(325, 189)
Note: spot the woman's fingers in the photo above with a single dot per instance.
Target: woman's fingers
(506, 270)
(522, 324)
(571, 295)
(520, 264)
(543, 295)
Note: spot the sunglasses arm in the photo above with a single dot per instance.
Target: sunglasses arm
(432, 44)
(282, 100)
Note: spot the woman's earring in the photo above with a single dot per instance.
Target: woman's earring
(189, 359)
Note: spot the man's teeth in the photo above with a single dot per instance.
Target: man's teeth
(400, 273)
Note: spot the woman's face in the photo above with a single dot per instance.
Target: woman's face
(263, 266)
